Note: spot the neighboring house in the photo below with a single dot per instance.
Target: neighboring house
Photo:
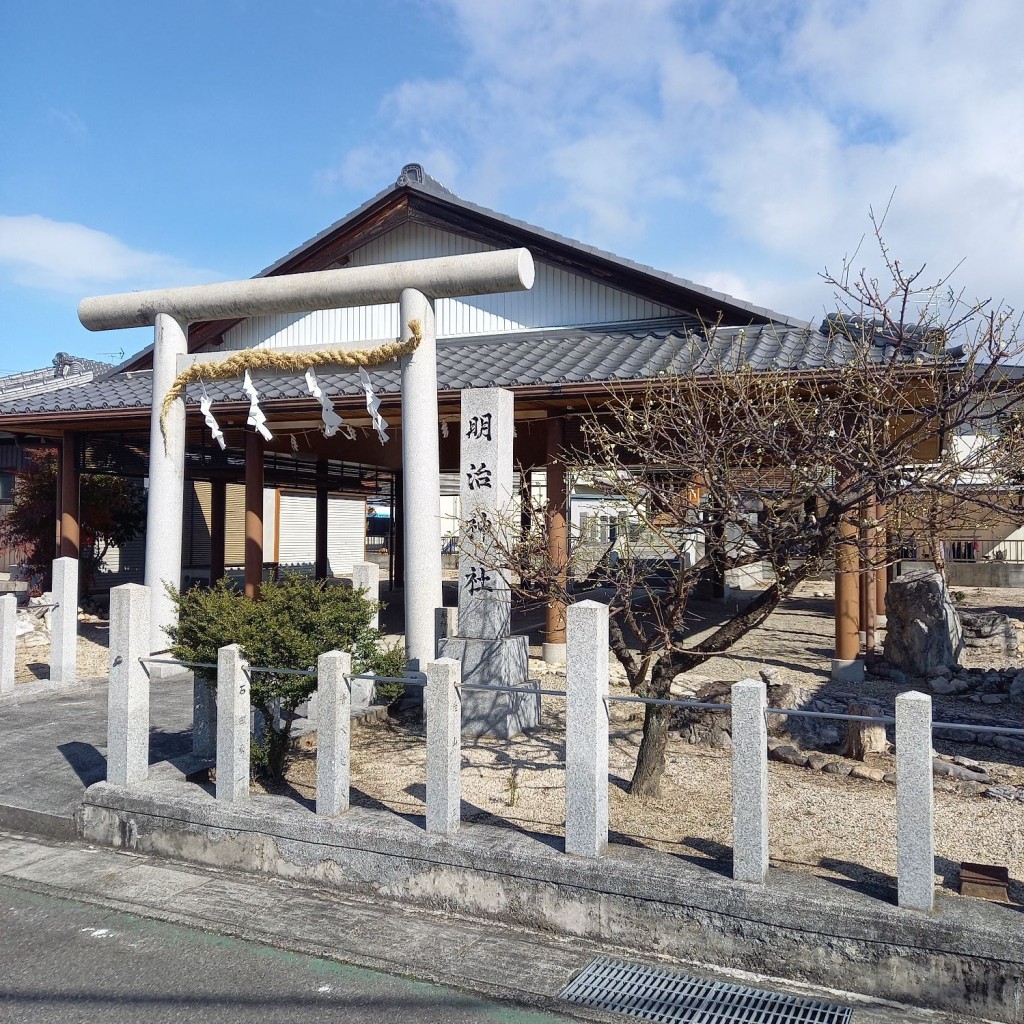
(64, 371)
(988, 550)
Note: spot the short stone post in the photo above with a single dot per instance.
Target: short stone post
(446, 624)
(443, 707)
(232, 725)
(915, 832)
(586, 729)
(749, 782)
(204, 717)
(334, 724)
(8, 639)
(128, 693)
(64, 622)
(366, 576)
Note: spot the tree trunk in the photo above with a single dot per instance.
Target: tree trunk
(650, 759)
(863, 738)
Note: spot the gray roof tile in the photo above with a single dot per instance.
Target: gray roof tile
(635, 351)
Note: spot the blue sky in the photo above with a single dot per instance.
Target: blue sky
(737, 143)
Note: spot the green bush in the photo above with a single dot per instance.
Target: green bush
(295, 621)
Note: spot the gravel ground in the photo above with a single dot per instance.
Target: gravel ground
(33, 663)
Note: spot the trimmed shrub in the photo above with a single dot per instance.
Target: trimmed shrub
(295, 621)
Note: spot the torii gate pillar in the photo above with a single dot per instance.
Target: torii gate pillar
(414, 285)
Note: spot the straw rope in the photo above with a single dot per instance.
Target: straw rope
(287, 362)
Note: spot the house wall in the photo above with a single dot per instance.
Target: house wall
(558, 299)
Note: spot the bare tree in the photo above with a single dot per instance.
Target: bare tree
(722, 463)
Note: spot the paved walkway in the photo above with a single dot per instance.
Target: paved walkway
(55, 744)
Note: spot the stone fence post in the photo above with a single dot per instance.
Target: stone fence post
(64, 622)
(749, 782)
(128, 693)
(366, 576)
(8, 639)
(915, 832)
(334, 725)
(233, 740)
(586, 729)
(442, 704)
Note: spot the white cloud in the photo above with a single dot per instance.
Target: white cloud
(786, 120)
(69, 121)
(69, 258)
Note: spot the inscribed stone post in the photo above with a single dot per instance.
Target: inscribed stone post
(64, 622)
(233, 740)
(8, 638)
(485, 597)
(915, 802)
(487, 653)
(586, 729)
(334, 723)
(128, 695)
(749, 782)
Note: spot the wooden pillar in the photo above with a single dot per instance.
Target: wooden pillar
(253, 514)
(882, 569)
(558, 541)
(870, 555)
(57, 504)
(846, 665)
(398, 529)
(218, 527)
(322, 507)
(391, 534)
(525, 502)
(70, 532)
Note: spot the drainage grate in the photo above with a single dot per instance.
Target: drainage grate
(652, 993)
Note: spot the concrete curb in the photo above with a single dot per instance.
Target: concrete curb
(968, 957)
(39, 823)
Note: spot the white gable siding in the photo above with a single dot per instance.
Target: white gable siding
(558, 299)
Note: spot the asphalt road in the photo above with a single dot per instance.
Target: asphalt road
(62, 961)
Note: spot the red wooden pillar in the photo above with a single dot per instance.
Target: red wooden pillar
(558, 540)
(253, 514)
(70, 530)
(846, 665)
(218, 526)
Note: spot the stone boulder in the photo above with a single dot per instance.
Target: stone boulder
(923, 630)
(991, 632)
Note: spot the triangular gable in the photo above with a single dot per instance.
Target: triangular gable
(419, 214)
(559, 298)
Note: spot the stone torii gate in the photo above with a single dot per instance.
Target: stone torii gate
(414, 285)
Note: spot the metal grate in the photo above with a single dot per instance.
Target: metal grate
(652, 993)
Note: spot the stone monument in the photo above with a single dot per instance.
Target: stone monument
(484, 647)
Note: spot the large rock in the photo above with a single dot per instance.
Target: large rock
(922, 627)
(992, 632)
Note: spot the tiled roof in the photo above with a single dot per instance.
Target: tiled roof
(530, 359)
(63, 371)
